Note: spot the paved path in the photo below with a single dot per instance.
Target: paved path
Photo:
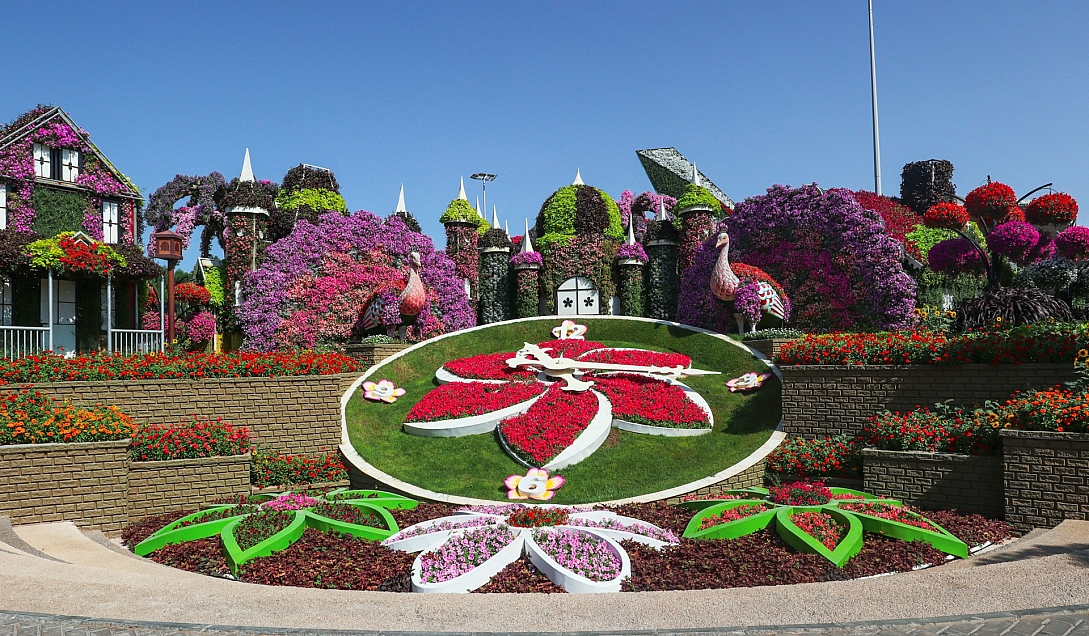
(1070, 621)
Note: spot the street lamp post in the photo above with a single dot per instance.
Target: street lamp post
(484, 178)
(873, 99)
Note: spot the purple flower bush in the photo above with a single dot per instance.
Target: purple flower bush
(1015, 240)
(640, 206)
(314, 284)
(1073, 242)
(955, 255)
(635, 250)
(525, 258)
(833, 258)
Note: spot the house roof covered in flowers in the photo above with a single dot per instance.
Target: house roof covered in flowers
(27, 123)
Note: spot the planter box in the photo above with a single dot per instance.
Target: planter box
(936, 481)
(826, 400)
(1046, 477)
(770, 347)
(85, 483)
(158, 487)
(372, 354)
(298, 414)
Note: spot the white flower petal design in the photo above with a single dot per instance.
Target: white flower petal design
(603, 525)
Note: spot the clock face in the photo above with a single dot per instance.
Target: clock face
(529, 397)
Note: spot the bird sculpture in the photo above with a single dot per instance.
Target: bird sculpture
(725, 283)
(411, 302)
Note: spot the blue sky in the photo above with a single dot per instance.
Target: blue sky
(756, 93)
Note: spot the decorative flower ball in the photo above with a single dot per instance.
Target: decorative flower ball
(1014, 240)
(1015, 214)
(955, 255)
(1058, 208)
(990, 202)
(947, 216)
(1073, 242)
(748, 382)
(382, 391)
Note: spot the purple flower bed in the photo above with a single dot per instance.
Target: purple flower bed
(463, 553)
(582, 553)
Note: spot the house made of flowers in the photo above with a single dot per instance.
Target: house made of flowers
(71, 266)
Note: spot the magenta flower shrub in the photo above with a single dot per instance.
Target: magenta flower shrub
(1073, 242)
(833, 258)
(955, 255)
(635, 250)
(314, 284)
(1015, 240)
(642, 205)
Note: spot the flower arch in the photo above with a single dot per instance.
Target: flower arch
(200, 210)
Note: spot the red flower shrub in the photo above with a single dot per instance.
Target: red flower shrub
(801, 493)
(191, 440)
(1057, 208)
(464, 399)
(271, 468)
(946, 216)
(643, 400)
(550, 425)
(817, 458)
(990, 202)
(899, 219)
(88, 258)
(192, 293)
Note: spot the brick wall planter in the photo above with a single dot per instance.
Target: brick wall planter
(1046, 478)
(300, 414)
(86, 483)
(936, 481)
(158, 487)
(770, 347)
(372, 354)
(823, 400)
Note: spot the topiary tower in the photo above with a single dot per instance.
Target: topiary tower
(695, 211)
(464, 227)
(306, 193)
(246, 203)
(494, 274)
(663, 275)
(578, 230)
(527, 272)
(630, 258)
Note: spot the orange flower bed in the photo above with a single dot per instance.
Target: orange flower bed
(29, 417)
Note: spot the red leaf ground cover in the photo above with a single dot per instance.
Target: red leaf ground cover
(643, 400)
(330, 560)
(635, 357)
(520, 576)
(550, 425)
(464, 399)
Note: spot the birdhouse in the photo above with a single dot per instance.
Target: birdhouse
(168, 246)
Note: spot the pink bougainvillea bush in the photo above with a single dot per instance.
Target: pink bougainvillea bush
(315, 283)
(839, 266)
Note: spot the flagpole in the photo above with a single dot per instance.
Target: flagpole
(873, 94)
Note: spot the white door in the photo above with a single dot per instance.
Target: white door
(64, 313)
(577, 296)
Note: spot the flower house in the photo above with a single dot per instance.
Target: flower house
(70, 266)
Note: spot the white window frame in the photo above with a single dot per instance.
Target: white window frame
(111, 221)
(43, 161)
(7, 308)
(69, 168)
(3, 206)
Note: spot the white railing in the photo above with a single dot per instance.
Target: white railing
(20, 342)
(132, 341)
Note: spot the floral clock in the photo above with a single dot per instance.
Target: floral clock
(811, 517)
(251, 530)
(577, 550)
(553, 403)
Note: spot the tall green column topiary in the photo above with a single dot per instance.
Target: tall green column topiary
(527, 298)
(663, 275)
(494, 277)
(461, 246)
(631, 287)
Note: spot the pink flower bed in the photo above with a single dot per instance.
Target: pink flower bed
(733, 514)
(580, 552)
(550, 425)
(644, 400)
(463, 553)
(465, 399)
(891, 513)
(487, 366)
(821, 527)
(641, 358)
(293, 501)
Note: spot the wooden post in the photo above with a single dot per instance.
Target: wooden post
(170, 302)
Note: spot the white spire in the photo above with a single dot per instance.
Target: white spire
(631, 229)
(578, 177)
(478, 212)
(696, 175)
(506, 227)
(247, 171)
(527, 243)
(461, 191)
(401, 201)
(662, 214)
(495, 218)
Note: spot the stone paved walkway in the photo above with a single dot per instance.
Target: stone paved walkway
(1068, 621)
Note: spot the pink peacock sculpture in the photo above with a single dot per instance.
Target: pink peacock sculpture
(411, 302)
(751, 290)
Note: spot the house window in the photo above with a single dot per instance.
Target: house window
(110, 225)
(5, 302)
(69, 164)
(43, 161)
(3, 206)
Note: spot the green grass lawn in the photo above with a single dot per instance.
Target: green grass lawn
(628, 464)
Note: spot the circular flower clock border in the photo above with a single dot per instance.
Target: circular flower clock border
(554, 402)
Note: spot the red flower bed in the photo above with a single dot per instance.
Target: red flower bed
(488, 366)
(570, 348)
(733, 514)
(1059, 208)
(821, 527)
(807, 458)
(550, 425)
(277, 469)
(536, 517)
(885, 511)
(922, 430)
(949, 216)
(800, 493)
(1030, 343)
(640, 358)
(464, 399)
(192, 440)
(105, 366)
(991, 202)
(644, 400)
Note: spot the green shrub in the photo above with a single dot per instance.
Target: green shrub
(461, 210)
(319, 201)
(57, 211)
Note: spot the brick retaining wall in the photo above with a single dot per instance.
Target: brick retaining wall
(936, 481)
(300, 414)
(158, 487)
(374, 353)
(769, 347)
(1046, 478)
(824, 400)
(86, 483)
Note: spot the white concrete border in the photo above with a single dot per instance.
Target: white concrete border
(568, 580)
(472, 425)
(352, 457)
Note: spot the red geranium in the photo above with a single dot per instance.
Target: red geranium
(990, 202)
(947, 216)
(192, 293)
(1058, 208)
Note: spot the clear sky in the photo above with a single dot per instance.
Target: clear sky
(757, 93)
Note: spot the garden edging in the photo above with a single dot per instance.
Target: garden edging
(936, 481)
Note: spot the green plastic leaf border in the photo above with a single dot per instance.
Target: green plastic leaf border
(802, 541)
